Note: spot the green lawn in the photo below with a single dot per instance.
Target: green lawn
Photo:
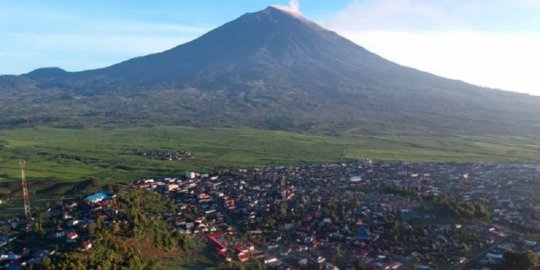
(107, 154)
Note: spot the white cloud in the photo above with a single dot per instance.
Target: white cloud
(490, 43)
(484, 15)
(504, 61)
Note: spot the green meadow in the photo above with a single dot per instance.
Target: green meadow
(109, 154)
(72, 162)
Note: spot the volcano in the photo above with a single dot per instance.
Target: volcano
(270, 69)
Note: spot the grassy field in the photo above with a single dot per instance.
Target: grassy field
(59, 159)
(108, 154)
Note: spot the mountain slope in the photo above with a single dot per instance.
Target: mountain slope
(271, 69)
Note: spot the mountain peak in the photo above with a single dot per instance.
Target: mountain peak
(284, 9)
(280, 15)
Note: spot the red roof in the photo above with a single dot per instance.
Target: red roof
(72, 235)
(221, 252)
(217, 239)
(239, 248)
(243, 257)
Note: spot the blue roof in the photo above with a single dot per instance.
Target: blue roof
(363, 235)
(97, 197)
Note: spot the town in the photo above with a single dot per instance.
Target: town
(351, 215)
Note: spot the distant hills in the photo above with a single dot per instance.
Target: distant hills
(271, 70)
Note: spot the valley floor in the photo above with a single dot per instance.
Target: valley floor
(114, 154)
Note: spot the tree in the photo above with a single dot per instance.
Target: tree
(519, 261)
(45, 263)
(38, 226)
(359, 265)
(116, 228)
(91, 228)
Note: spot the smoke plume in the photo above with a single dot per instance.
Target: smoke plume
(293, 7)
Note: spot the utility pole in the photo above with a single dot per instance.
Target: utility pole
(26, 197)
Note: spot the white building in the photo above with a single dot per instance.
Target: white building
(190, 175)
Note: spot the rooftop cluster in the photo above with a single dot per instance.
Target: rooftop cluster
(382, 215)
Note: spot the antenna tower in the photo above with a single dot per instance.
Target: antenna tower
(26, 197)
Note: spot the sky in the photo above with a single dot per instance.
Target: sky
(492, 43)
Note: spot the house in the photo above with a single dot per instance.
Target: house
(530, 243)
(217, 239)
(190, 175)
(58, 234)
(85, 246)
(364, 235)
(37, 255)
(10, 256)
(330, 266)
(72, 236)
(98, 197)
(270, 259)
(494, 256)
(243, 257)
(239, 248)
(73, 222)
(303, 262)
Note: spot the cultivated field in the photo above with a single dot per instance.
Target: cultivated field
(109, 154)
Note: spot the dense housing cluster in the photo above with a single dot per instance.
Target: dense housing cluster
(383, 215)
(351, 215)
(69, 226)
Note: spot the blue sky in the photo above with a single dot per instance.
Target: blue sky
(492, 43)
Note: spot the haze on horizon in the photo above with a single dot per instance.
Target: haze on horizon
(488, 43)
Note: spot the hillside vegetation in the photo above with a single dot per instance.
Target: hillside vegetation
(266, 70)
